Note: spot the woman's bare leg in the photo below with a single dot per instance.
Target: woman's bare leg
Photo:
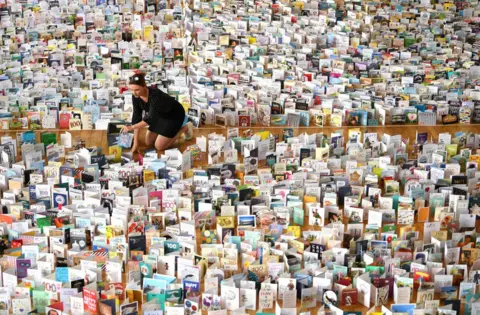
(150, 139)
(162, 143)
(187, 130)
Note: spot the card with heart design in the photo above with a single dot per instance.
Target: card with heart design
(411, 118)
(21, 305)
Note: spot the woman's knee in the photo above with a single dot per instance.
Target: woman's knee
(162, 143)
(150, 138)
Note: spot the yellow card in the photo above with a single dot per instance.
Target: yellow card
(148, 176)
(116, 151)
(295, 230)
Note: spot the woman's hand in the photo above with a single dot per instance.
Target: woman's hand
(127, 129)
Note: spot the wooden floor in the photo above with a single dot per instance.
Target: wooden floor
(406, 131)
(99, 137)
(91, 138)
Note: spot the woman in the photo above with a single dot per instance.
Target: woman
(164, 116)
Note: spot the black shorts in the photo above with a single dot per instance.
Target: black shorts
(166, 127)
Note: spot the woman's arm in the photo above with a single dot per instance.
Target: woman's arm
(139, 126)
(137, 122)
(135, 127)
(136, 131)
(135, 145)
(137, 113)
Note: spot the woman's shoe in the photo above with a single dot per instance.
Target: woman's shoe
(189, 132)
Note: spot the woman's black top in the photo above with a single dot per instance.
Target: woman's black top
(163, 114)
